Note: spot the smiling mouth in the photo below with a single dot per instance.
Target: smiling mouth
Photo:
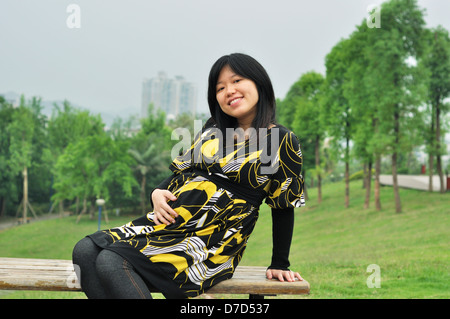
(234, 101)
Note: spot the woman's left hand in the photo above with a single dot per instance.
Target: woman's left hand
(282, 275)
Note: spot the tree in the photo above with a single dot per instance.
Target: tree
(21, 131)
(337, 112)
(393, 80)
(437, 61)
(306, 94)
(150, 150)
(149, 159)
(89, 167)
(363, 108)
(8, 189)
(69, 125)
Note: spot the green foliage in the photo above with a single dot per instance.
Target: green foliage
(71, 157)
(21, 131)
(436, 62)
(359, 175)
(153, 144)
(8, 185)
(300, 111)
(69, 125)
(306, 93)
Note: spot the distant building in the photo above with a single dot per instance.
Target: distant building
(173, 96)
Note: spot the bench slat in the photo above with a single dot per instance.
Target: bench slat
(59, 275)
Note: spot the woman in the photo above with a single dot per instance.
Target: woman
(205, 212)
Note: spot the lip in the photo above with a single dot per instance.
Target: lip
(238, 98)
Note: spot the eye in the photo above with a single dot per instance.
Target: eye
(237, 80)
(220, 89)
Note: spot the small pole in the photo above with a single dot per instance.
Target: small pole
(99, 216)
(100, 202)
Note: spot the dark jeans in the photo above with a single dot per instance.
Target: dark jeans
(105, 274)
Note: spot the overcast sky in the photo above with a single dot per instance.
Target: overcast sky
(101, 65)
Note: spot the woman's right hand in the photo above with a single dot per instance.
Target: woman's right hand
(162, 212)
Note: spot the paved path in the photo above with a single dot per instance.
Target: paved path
(414, 181)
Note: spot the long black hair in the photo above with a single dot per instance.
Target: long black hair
(247, 67)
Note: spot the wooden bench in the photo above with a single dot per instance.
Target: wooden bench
(59, 275)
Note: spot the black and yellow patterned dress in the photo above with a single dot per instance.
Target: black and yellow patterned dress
(219, 190)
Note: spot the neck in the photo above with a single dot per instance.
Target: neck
(245, 124)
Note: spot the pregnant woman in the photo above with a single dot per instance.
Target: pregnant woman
(204, 213)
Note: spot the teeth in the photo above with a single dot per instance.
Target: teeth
(235, 100)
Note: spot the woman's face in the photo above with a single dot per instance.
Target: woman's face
(237, 96)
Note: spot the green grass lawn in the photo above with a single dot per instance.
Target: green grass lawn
(332, 245)
(331, 248)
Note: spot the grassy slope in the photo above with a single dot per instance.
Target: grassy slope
(331, 248)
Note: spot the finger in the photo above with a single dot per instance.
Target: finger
(297, 275)
(280, 276)
(170, 196)
(168, 218)
(171, 216)
(269, 274)
(169, 210)
(289, 276)
(155, 219)
(162, 219)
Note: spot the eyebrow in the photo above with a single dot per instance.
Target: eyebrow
(230, 77)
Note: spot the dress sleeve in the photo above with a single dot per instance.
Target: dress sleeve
(282, 230)
(286, 188)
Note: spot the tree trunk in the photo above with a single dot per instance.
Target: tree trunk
(304, 186)
(368, 179)
(83, 210)
(25, 194)
(2, 212)
(143, 182)
(92, 210)
(61, 208)
(398, 205)
(77, 205)
(430, 172)
(319, 178)
(377, 181)
(438, 151)
(432, 150)
(347, 181)
(364, 179)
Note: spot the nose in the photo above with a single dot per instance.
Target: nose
(230, 90)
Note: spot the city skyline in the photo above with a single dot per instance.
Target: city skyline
(172, 95)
